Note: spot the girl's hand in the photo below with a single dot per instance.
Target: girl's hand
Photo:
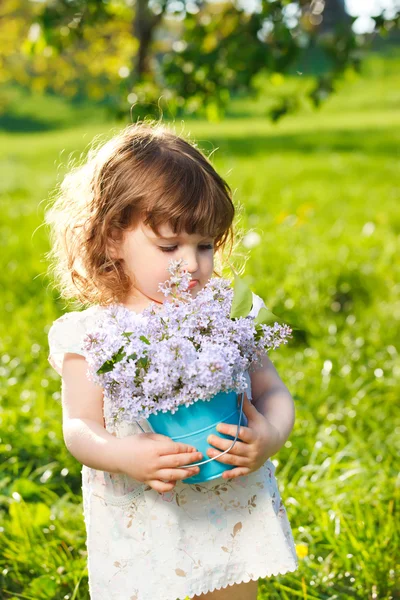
(153, 458)
(259, 440)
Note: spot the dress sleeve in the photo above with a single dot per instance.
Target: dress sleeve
(66, 334)
(258, 303)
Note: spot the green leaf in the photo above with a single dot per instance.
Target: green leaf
(259, 332)
(119, 355)
(106, 367)
(109, 364)
(143, 361)
(267, 317)
(242, 298)
(127, 334)
(144, 339)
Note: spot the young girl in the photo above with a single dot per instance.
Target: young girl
(142, 198)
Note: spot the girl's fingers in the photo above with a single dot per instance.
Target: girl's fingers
(161, 486)
(176, 474)
(233, 473)
(228, 458)
(245, 433)
(239, 448)
(178, 460)
(174, 448)
(167, 444)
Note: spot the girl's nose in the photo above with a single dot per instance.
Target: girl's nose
(192, 262)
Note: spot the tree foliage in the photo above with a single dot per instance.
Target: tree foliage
(194, 54)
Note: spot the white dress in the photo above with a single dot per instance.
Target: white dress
(143, 545)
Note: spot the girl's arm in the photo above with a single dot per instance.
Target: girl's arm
(83, 426)
(272, 398)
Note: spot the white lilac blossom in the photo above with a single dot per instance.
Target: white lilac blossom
(185, 350)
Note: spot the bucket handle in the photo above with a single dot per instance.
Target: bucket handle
(203, 462)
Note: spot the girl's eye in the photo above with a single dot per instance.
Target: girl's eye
(167, 248)
(172, 248)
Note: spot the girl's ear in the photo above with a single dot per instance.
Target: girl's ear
(114, 244)
(113, 252)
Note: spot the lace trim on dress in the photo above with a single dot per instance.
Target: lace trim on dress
(245, 578)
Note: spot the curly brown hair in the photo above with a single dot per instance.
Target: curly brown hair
(143, 173)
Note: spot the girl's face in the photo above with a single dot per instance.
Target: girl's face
(146, 257)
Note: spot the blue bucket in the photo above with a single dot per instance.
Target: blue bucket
(193, 424)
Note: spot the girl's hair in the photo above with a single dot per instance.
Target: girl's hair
(144, 173)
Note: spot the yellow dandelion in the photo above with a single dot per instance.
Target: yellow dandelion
(301, 550)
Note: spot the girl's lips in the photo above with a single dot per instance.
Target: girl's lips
(193, 283)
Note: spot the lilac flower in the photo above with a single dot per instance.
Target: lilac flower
(179, 279)
(188, 349)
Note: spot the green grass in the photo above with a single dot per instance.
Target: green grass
(321, 189)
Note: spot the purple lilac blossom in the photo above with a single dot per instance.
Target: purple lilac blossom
(186, 350)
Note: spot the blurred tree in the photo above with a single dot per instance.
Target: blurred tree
(195, 54)
(329, 15)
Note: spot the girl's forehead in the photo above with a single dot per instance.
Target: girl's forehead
(165, 230)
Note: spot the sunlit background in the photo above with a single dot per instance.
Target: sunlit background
(364, 10)
(298, 109)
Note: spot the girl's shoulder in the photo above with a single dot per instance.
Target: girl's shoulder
(75, 320)
(258, 303)
(66, 333)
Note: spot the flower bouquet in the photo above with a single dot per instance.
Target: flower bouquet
(159, 364)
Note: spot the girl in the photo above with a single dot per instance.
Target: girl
(142, 198)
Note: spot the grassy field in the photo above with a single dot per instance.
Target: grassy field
(320, 190)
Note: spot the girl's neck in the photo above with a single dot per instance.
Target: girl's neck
(138, 304)
(137, 308)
